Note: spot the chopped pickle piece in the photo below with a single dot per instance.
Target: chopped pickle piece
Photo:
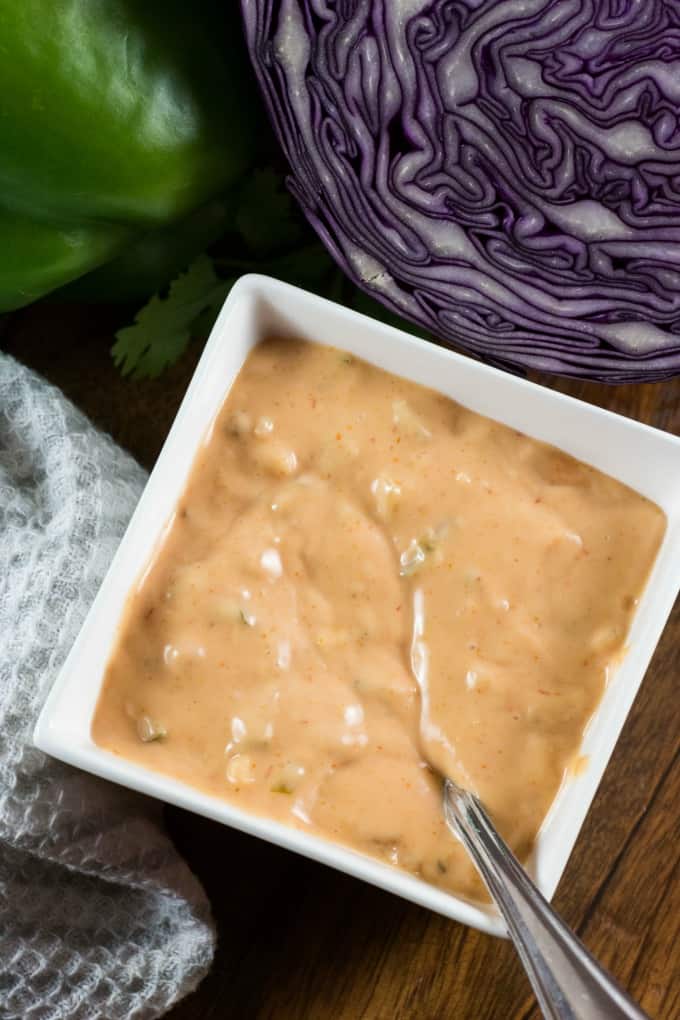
(336, 455)
(412, 559)
(276, 458)
(408, 422)
(270, 561)
(241, 769)
(386, 495)
(239, 424)
(226, 610)
(420, 551)
(428, 542)
(148, 729)
(253, 727)
(264, 427)
(287, 778)
(607, 638)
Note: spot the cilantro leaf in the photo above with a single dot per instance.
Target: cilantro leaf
(162, 329)
(268, 235)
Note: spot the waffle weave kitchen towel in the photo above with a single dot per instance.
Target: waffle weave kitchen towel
(100, 919)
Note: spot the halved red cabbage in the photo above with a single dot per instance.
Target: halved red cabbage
(505, 173)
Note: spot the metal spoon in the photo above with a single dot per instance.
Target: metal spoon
(569, 984)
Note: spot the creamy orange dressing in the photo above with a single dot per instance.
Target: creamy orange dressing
(348, 540)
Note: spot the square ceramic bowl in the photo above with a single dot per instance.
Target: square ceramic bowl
(644, 458)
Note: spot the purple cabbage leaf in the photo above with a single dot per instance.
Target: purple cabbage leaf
(503, 173)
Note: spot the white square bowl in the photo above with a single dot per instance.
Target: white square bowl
(644, 458)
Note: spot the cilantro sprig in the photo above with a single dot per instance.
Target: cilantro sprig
(269, 236)
(162, 329)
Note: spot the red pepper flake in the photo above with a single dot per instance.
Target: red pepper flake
(398, 609)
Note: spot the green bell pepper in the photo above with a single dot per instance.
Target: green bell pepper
(118, 120)
(149, 262)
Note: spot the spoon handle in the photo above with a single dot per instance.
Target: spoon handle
(569, 984)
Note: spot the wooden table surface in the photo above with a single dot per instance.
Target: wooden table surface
(297, 941)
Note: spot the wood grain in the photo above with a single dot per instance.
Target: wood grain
(298, 941)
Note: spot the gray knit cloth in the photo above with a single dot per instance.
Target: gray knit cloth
(99, 916)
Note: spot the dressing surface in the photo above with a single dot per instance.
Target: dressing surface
(345, 544)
